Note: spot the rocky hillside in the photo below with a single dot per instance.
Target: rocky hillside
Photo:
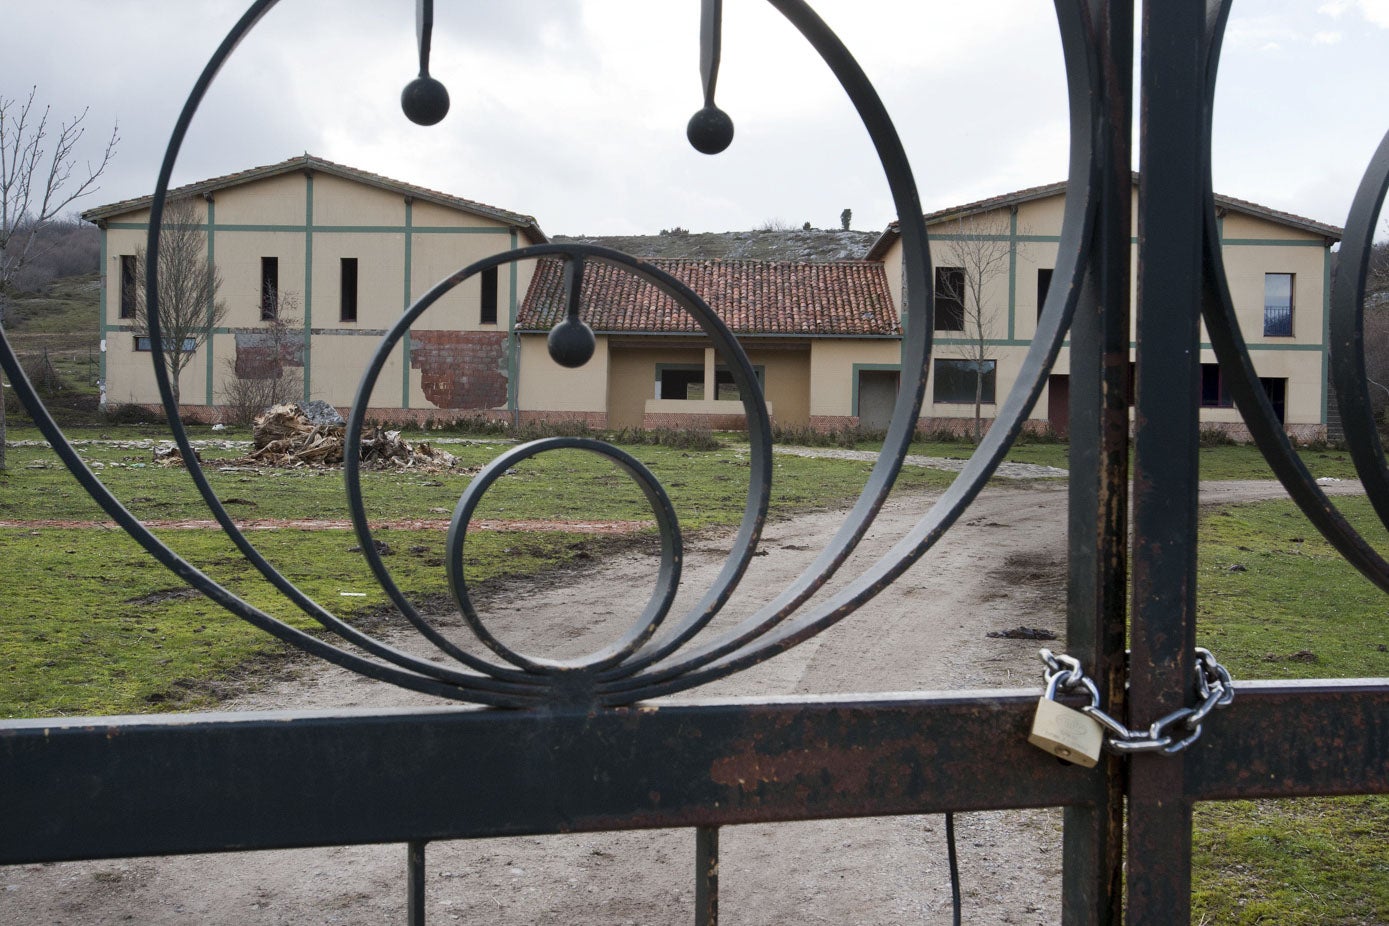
(798, 245)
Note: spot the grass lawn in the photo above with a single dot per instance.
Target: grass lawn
(1296, 610)
(156, 646)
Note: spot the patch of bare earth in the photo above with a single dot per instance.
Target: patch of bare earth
(1000, 567)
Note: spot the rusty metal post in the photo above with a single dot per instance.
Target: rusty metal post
(1165, 484)
(706, 876)
(1097, 528)
(414, 875)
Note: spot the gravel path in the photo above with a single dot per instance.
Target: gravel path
(1006, 469)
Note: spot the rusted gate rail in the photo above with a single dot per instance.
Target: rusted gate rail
(551, 747)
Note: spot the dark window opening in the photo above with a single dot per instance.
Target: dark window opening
(680, 383)
(1214, 393)
(489, 296)
(269, 287)
(1278, 305)
(127, 286)
(1043, 284)
(725, 388)
(950, 299)
(349, 289)
(1276, 388)
(955, 381)
(687, 382)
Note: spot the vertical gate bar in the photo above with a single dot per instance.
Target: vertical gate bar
(1097, 528)
(414, 874)
(1165, 483)
(706, 876)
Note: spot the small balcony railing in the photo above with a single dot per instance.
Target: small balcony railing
(1278, 321)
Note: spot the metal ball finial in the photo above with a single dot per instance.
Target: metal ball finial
(425, 101)
(710, 130)
(571, 343)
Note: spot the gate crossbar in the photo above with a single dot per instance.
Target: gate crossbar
(161, 785)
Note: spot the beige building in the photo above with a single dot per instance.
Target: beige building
(812, 332)
(1279, 270)
(330, 256)
(344, 252)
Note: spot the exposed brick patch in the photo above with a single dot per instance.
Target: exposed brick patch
(828, 423)
(460, 369)
(264, 354)
(1237, 431)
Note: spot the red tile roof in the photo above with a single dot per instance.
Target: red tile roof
(823, 299)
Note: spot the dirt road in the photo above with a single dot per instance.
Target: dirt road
(1001, 566)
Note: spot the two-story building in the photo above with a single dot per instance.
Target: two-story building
(343, 252)
(1279, 270)
(347, 251)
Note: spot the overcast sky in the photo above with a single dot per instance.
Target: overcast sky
(575, 112)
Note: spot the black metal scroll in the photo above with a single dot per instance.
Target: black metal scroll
(646, 662)
(659, 656)
(89, 788)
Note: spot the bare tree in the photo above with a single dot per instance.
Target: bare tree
(1376, 329)
(189, 307)
(979, 249)
(37, 184)
(268, 368)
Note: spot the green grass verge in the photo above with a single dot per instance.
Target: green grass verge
(1223, 462)
(707, 488)
(1294, 610)
(1243, 461)
(153, 644)
(1309, 862)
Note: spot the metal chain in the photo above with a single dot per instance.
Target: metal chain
(1168, 735)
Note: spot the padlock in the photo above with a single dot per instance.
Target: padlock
(1065, 732)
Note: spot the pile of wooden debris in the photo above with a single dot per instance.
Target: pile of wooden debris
(168, 454)
(284, 436)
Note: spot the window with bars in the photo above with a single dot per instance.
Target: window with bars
(1278, 305)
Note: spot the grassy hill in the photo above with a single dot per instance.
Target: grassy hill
(62, 325)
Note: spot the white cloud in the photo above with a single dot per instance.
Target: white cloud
(1376, 11)
(1327, 38)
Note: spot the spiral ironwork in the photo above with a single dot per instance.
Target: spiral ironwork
(663, 653)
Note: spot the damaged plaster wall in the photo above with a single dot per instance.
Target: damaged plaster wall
(461, 369)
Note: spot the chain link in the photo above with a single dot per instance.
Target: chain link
(1168, 735)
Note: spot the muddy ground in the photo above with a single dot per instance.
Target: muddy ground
(1002, 566)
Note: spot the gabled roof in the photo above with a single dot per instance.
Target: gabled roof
(825, 299)
(308, 162)
(1018, 197)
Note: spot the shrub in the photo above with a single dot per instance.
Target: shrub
(679, 438)
(42, 375)
(847, 436)
(134, 414)
(1216, 437)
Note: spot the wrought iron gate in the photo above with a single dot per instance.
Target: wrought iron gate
(564, 747)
